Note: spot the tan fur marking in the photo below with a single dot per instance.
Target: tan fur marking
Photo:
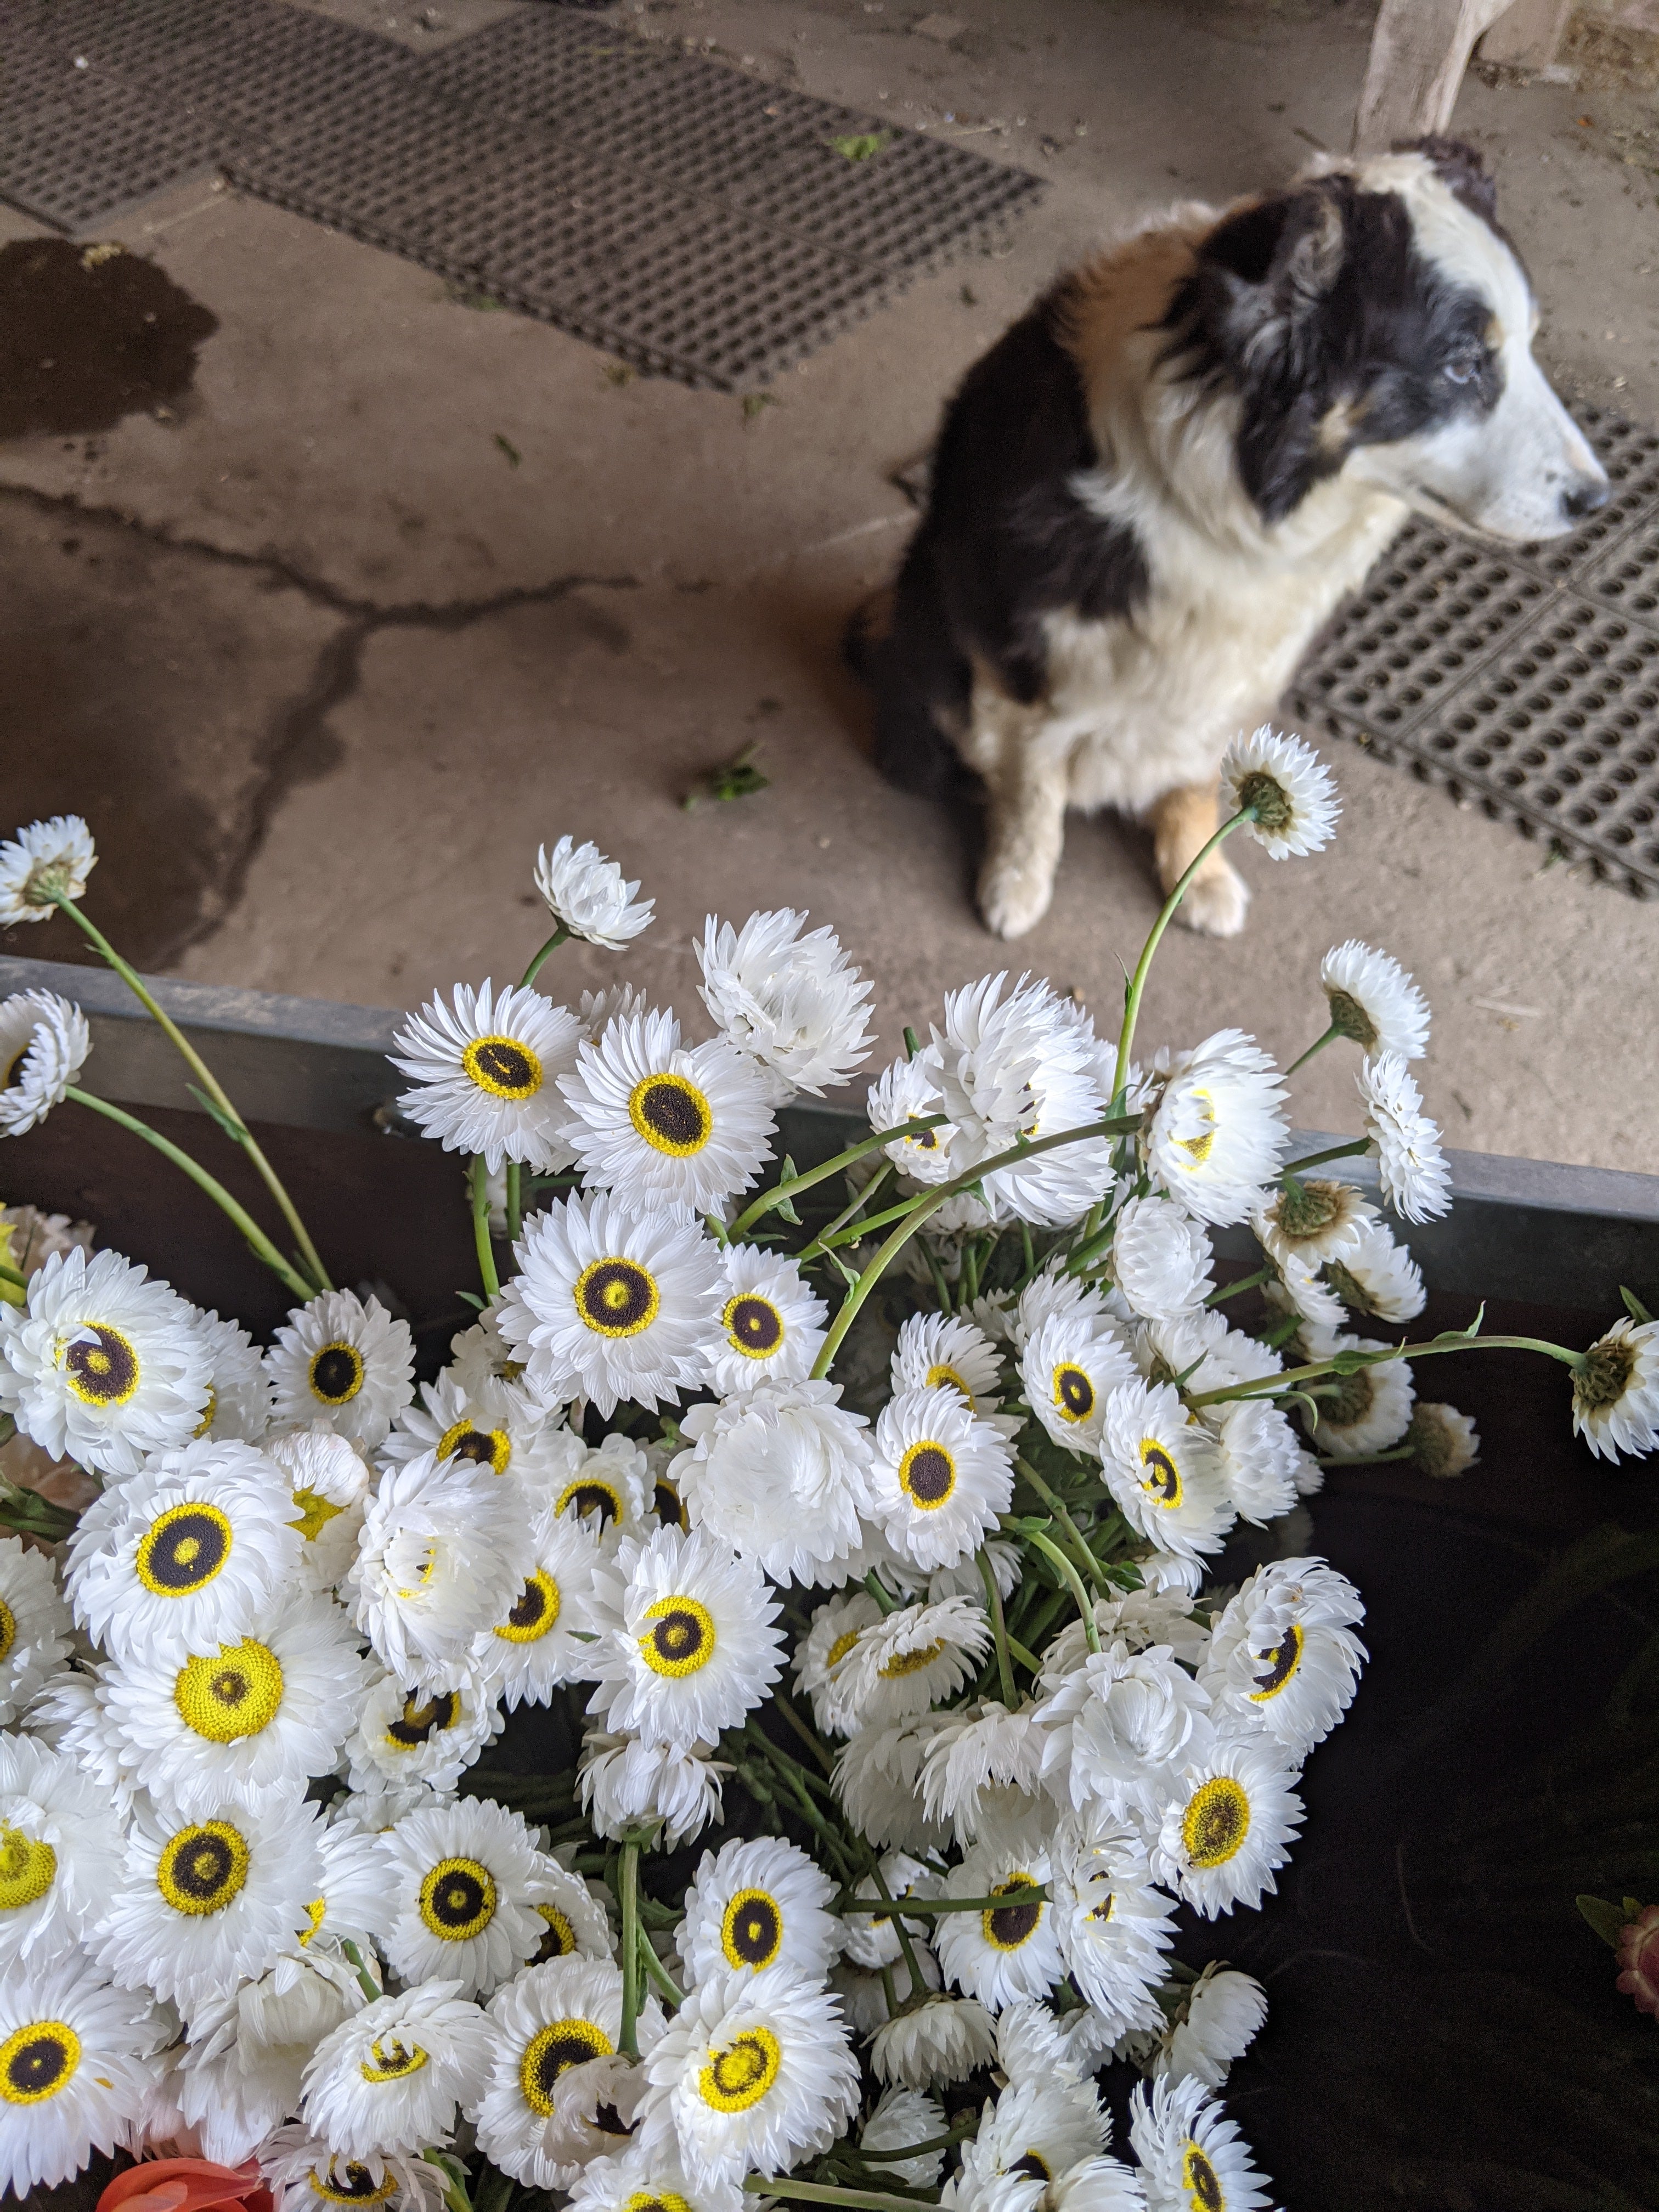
(1125, 289)
(1183, 823)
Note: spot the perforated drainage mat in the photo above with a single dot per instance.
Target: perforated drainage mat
(1525, 679)
(695, 220)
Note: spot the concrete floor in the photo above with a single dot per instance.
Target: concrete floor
(322, 665)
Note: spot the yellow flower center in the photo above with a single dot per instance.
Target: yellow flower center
(740, 2075)
(588, 1495)
(928, 1474)
(101, 1366)
(751, 1932)
(182, 1550)
(335, 1374)
(560, 1939)
(681, 1637)
(315, 1912)
(671, 1115)
(553, 2049)
(7, 1628)
(537, 1610)
(940, 1375)
(1006, 1927)
(351, 2183)
(753, 1325)
(1216, 1822)
(37, 2061)
(418, 1723)
(1160, 1477)
(459, 1899)
(1073, 1393)
(490, 1447)
(1198, 1148)
(202, 1869)
(1280, 1661)
(617, 1298)
(909, 1662)
(236, 1694)
(27, 1866)
(503, 1066)
(389, 2060)
(316, 1511)
(1203, 2183)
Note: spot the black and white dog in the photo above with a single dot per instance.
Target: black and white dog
(1150, 493)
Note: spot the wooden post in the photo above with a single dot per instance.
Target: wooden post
(1528, 33)
(1420, 51)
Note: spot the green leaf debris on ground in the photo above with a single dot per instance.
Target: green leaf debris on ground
(508, 447)
(859, 145)
(737, 778)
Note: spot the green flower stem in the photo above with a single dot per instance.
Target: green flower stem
(1347, 1152)
(820, 2192)
(1111, 1125)
(495, 2191)
(1027, 1254)
(794, 1779)
(561, 936)
(258, 1242)
(366, 1981)
(28, 1514)
(917, 1986)
(515, 1201)
(11, 1275)
(1037, 1894)
(1029, 1659)
(1084, 1558)
(492, 1281)
(1137, 980)
(1052, 1552)
(880, 1591)
(1244, 1283)
(793, 1185)
(889, 1992)
(1318, 1045)
(1365, 1459)
(952, 2142)
(628, 1882)
(821, 1241)
(1271, 1386)
(238, 1128)
(969, 1275)
(656, 1972)
(941, 1288)
(999, 1629)
(803, 1731)
(454, 2174)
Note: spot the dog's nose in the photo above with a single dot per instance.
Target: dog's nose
(1584, 497)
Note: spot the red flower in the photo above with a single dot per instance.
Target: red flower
(1637, 1951)
(186, 2184)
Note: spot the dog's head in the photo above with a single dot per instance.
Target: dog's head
(1374, 320)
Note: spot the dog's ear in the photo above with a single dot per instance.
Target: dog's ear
(1461, 169)
(1264, 274)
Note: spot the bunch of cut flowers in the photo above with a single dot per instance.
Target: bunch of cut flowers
(908, 1712)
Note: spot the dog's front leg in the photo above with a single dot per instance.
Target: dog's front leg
(1183, 823)
(1026, 827)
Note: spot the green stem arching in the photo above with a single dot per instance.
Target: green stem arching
(260, 1244)
(235, 1126)
(794, 1721)
(1137, 980)
(1052, 1552)
(366, 1981)
(1318, 1045)
(1350, 1150)
(999, 1629)
(454, 2174)
(515, 1201)
(820, 2192)
(1244, 1283)
(656, 1972)
(1271, 1386)
(628, 1882)
(561, 936)
(830, 1235)
(1085, 1559)
(11, 1275)
(1364, 1459)
(792, 1187)
(480, 1184)
(1036, 1893)
(918, 1985)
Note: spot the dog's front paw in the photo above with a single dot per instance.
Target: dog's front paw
(1216, 901)
(1012, 898)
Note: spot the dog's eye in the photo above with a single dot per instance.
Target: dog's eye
(1465, 365)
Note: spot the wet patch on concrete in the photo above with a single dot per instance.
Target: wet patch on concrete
(90, 334)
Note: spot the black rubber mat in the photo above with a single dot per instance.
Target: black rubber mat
(694, 220)
(1525, 678)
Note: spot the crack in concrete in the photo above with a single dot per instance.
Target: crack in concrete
(299, 748)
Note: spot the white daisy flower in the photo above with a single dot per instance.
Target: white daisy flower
(758, 1905)
(1139, 1618)
(939, 1477)
(1375, 1277)
(1029, 2044)
(1296, 1290)
(76, 2067)
(983, 1748)
(1097, 2184)
(1216, 2023)
(821, 1653)
(878, 1778)
(588, 896)
(241, 2073)
(1053, 1292)
(1121, 1727)
(329, 1481)
(353, 1899)
(646, 2180)
(185, 1556)
(909, 1090)
(617, 1002)
(303, 2175)
(487, 1422)
(781, 1473)
(560, 2092)
(60, 1852)
(613, 1303)
(945, 2039)
(1038, 2128)
(405, 1736)
(753, 2074)
(771, 1322)
(914, 1657)
(1004, 1951)
(1228, 1825)
(1161, 1258)
(1283, 1653)
(1416, 1180)
(44, 1044)
(1191, 2152)
(900, 2118)
(863, 1995)
(343, 1360)
(480, 1354)
(1217, 1133)
(443, 1553)
(1072, 1361)
(274, 1705)
(792, 1003)
(1259, 1460)
(46, 860)
(203, 1900)
(1312, 1221)
(682, 1128)
(688, 1646)
(625, 1783)
(1615, 1394)
(1366, 1412)
(1112, 1926)
(390, 2078)
(35, 1637)
(575, 1914)
(486, 1075)
(1444, 1443)
(872, 1940)
(610, 1492)
(1288, 788)
(1204, 1350)
(935, 1349)
(464, 1880)
(545, 1637)
(239, 1389)
(101, 1365)
(1160, 1466)
(1373, 1001)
